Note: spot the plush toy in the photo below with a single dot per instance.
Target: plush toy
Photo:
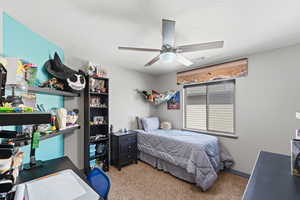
(165, 125)
(155, 94)
(74, 81)
(53, 83)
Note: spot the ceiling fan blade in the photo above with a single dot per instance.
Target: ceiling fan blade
(200, 47)
(168, 32)
(154, 60)
(183, 60)
(138, 49)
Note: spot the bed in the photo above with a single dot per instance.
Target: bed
(193, 157)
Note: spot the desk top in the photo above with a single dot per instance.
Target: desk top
(272, 179)
(50, 167)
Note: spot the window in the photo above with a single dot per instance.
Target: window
(210, 107)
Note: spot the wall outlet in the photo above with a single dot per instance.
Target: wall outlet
(297, 115)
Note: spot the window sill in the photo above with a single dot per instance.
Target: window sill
(227, 135)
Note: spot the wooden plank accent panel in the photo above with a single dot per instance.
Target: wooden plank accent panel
(226, 70)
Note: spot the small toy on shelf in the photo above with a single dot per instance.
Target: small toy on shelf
(92, 84)
(102, 86)
(102, 73)
(97, 86)
(30, 71)
(26, 73)
(72, 117)
(91, 69)
(98, 120)
(7, 107)
(53, 121)
(96, 70)
(13, 98)
(53, 83)
(44, 128)
(96, 102)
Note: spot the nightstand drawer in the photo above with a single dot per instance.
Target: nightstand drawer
(125, 158)
(128, 139)
(127, 148)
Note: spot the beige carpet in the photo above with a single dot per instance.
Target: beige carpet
(142, 182)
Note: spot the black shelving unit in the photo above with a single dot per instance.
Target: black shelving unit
(96, 133)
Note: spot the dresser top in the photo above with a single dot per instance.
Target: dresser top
(272, 179)
(129, 132)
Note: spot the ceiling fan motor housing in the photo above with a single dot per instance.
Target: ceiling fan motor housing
(167, 48)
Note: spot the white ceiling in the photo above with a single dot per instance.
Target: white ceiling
(93, 29)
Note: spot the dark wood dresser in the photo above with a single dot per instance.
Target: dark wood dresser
(271, 179)
(123, 148)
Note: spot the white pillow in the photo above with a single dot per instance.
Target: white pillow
(150, 123)
(165, 125)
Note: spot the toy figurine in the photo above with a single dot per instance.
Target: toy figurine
(53, 83)
(72, 118)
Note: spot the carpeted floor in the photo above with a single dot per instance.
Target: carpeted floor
(143, 182)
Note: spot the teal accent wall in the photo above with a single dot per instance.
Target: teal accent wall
(19, 41)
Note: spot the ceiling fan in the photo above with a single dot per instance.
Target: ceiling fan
(169, 51)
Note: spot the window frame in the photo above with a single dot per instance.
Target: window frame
(211, 132)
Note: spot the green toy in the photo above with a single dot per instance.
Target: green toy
(36, 140)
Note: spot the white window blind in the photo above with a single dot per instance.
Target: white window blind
(210, 107)
(195, 108)
(220, 107)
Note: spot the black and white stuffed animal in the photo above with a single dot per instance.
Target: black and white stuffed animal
(74, 81)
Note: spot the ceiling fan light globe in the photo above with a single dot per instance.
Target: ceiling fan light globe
(168, 57)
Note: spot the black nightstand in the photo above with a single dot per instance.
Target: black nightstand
(123, 149)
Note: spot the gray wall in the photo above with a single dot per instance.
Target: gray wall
(266, 102)
(125, 104)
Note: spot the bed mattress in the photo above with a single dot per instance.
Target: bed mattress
(200, 155)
